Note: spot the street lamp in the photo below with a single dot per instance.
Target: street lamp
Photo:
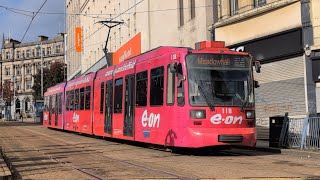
(39, 47)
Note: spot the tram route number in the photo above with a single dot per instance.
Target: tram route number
(153, 120)
(217, 119)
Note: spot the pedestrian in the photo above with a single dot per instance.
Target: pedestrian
(21, 117)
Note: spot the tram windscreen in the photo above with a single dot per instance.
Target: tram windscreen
(219, 80)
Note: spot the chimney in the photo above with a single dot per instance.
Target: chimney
(42, 38)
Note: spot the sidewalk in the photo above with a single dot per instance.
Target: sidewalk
(263, 145)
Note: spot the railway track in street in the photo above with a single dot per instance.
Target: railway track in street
(37, 152)
(97, 152)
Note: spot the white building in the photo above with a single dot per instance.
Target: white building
(161, 23)
(21, 61)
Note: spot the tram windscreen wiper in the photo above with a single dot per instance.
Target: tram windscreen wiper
(210, 104)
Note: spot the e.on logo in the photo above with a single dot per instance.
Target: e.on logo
(75, 117)
(152, 121)
(217, 119)
(45, 116)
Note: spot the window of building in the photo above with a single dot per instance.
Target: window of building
(18, 85)
(33, 52)
(48, 50)
(29, 85)
(82, 99)
(58, 49)
(170, 86)
(7, 55)
(28, 70)
(181, 16)
(142, 87)
(23, 54)
(18, 71)
(87, 102)
(192, 9)
(18, 54)
(7, 69)
(28, 53)
(233, 7)
(43, 51)
(258, 3)
(38, 52)
(118, 96)
(156, 86)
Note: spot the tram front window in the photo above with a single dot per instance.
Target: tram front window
(219, 80)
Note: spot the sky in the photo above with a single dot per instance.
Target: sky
(43, 24)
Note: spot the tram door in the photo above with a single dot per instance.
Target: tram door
(58, 100)
(56, 108)
(128, 112)
(50, 110)
(108, 107)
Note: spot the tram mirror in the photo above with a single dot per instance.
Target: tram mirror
(256, 84)
(257, 66)
(173, 67)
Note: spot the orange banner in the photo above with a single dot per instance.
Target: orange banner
(78, 38)
(128, 50)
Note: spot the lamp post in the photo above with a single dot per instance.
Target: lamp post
(39, 47)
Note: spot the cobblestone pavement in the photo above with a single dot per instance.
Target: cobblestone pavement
(37, 152)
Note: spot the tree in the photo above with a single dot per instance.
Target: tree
(51, 77)
(7, 91)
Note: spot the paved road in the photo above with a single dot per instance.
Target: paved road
(40, 153)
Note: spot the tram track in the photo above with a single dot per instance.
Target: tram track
(97, 152)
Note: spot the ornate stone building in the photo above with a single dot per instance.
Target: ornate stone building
(20, 61)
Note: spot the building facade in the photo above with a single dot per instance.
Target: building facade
(280, 34)
(161, 23)
(20, 61)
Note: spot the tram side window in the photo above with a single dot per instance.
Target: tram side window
(50, 103)
(87, 101)
(180, 86)
(170, 86)
(67, 100)
(46, 103)
(156, 86)
(54, 107)
(142, 87)
(101, 97)
(118, 96)
(76, 99)
(71, 105)
(60, 103)
(82, 99)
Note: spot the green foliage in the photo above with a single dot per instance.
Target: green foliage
(51, 77)
(7, 91)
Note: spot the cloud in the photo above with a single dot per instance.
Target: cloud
(43, 24)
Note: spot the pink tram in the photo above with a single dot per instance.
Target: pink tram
(171, 96)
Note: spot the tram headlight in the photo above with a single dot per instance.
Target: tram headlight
(198, 114)
(250, 114)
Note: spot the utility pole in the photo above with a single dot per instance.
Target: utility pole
(110, 25)
(39, 47)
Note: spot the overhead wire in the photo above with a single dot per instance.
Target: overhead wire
(32, 20)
